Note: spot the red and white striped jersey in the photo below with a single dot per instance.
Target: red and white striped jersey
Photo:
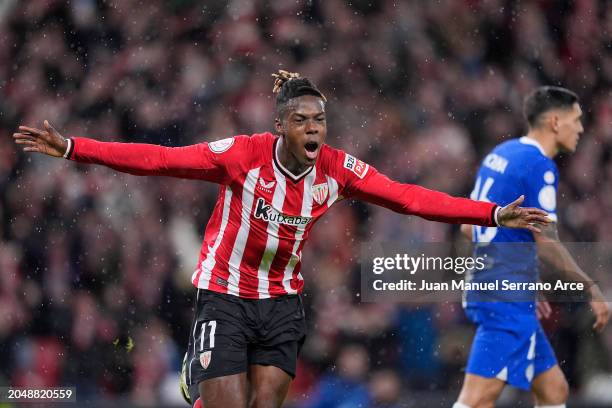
(254, 238)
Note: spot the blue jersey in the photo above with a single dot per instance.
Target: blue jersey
(516, 167)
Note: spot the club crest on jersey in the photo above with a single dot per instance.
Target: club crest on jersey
(205, 358)
(266, 212)
(266, 185)
(319, 192)
(356, 166)
(222, 145)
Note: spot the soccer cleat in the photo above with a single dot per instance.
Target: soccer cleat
(183, 381)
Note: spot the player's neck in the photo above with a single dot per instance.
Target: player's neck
(548, 143)
(287, 160)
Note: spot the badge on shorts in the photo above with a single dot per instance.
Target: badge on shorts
(205, 358)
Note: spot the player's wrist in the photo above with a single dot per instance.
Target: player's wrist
(69, 147)
(496, 212)
(594, 292)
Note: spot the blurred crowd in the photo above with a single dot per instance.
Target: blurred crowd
(95, 265)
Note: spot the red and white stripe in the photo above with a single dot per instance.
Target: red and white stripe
(264, 270)
(235, 260)
(296, 253)
(333, 191)
(201, 276)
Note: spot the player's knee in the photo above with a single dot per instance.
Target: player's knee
(476, 399)
(556, 393)
(480, 392)
(265, 397)
(564, 390)
(561, 392)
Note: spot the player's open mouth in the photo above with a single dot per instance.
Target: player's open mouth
(312, 149)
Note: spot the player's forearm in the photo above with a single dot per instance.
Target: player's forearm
(140, 159)
(438, 206)
(554, 253)
(428, 204)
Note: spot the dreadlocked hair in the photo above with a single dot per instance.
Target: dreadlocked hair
(289, 85)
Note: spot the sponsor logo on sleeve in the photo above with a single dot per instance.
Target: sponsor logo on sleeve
(356, 166)
(221, 146)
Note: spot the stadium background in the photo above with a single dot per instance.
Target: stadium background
(93, 261)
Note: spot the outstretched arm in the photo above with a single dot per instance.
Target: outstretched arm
(551, 250)
(194, 162)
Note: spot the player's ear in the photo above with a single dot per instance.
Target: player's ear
(554, 122)
(278, 126)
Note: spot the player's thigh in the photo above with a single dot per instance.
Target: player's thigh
(550, 387)
(269, 386)
(273, 356)
(280, 343)
(480, 392)
(223, 392)
(218, 340)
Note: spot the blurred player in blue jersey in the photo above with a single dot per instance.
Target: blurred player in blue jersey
(510, 346)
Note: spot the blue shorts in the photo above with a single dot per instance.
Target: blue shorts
(510, 347)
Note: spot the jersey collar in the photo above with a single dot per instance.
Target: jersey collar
(282, 169)
(532, 142)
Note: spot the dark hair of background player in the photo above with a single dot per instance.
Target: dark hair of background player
(544, 99)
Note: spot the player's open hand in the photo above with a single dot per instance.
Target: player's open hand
(47, 141)
(600, 309)
(513, 216)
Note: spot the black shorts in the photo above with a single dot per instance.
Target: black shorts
(228, 334)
